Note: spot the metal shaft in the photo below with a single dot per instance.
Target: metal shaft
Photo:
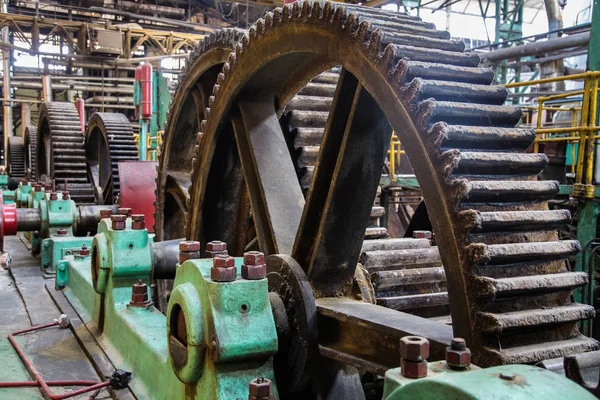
(165, 258)
(89, 216)
(532, 49)
(28, 219)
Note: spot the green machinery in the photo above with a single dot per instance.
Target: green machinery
(220, 338)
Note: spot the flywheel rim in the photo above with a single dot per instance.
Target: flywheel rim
(447, 176)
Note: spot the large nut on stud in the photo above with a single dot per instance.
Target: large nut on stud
(458, 356)
(215, 247)
(414, 348)
(223, 269)
(254, 266)
(413, 369)
(260, 389)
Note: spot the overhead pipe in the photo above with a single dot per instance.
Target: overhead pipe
(110, 99)
(63, 86)
(537, 48)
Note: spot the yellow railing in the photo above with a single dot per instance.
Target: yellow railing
(151, 153)
(582, 130)
(395, 155)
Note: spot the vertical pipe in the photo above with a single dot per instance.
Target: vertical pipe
(582, 137)
(144, 139)
(536, 144)
(6, 80)
(590, 143)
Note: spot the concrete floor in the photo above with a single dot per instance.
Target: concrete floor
(25, 301)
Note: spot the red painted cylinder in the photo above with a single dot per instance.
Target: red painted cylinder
(80, 105)
(146, 81)
(9, 219)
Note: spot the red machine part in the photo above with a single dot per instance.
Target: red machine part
(8, 220)
(138, 185)
(146, 82)
(80, 105)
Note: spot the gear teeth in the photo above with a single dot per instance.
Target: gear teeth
(502, 221)
(414, 302)
(308, 137)
(542, 351)
(435, 55)
(67, 141)
(486, 138)
(422, 41)
(512, 191)
(310, 103)
(16, 157)
(443, 72)
(456, 92)
(394, 244)
(318, 89)
(382, 260)
(498, 323)
(458, 113)
(486, 164)
(502, 254)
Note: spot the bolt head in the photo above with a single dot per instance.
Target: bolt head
(254, 258)
(216, 245)
(458, 344)
(414, 348)
(413, 369)
(53, 196)
(260, 387)
(458, 359)
(189, 245)
(223, 261)
(84, 251)
(66, 195)
(61, 232)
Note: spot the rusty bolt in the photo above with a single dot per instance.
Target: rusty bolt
(124, 211)
(118, 222)
(422, 234)
(105, 214)
(66, 195)
(61, 232)
(139, 295)
(188, 250)
(458, 356)
(48, 188)
(414, 348)
(254, 266)
(223, 269)
(260, 389)
(215, 247)
(84, 251)
(53, 196)
(37, 188)
(138, 221)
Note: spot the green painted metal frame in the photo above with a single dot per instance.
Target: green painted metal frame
(516, 382)
(56, 247)
(239, 346)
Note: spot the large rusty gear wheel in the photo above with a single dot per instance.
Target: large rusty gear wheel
(509, 287)
(60, 152)
(109, 140)
(186, 112)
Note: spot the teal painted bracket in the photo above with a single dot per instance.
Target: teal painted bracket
(8, 197)
(55, 248)
(515, 382)
(399, 180)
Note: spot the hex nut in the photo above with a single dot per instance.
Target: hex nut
(254, 272)
(84, 251)
(413, 369)
(189, 245)
(414, 348)
(223, 261)
(124, 211)
(260, 388)
(216, 245)
(118, 222)
(223, 274)
(254, 258)
(458, 359)
(105, 214)
(422, 234)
